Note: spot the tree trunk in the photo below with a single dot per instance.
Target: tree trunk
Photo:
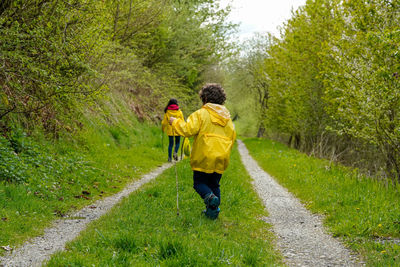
(297, 140)
(393, 166)
(261, 131)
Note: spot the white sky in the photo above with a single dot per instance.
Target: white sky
(261, 15)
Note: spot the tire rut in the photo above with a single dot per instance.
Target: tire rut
(301, 236)
(39, 249)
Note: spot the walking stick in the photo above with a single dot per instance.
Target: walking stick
(177, 191)
(177, 185)
(162, 140)
(182, 148)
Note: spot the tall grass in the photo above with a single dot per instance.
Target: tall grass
(363, 212)
(145, 230)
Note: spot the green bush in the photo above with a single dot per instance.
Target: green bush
(12, 168)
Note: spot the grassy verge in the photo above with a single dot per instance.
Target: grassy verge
(42, 180)
(144, 229)
(362, 211)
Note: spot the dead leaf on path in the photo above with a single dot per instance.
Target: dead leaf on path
(92, 207)
(6, 248)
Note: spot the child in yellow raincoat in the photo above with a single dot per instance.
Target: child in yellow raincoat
(172, 110)
(214, 135)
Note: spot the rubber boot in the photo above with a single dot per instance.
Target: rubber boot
(212, 202)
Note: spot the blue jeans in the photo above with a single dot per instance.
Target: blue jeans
(171, 144)
(207, 183)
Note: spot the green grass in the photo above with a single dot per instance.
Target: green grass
(42, 180)
(357, 209)
(144, 229)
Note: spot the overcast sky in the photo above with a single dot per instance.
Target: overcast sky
(261, 15)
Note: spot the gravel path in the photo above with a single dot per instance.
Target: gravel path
(300, 235)
(40, 248)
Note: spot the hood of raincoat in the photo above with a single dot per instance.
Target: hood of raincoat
(173, 107)
(219, 113)
(173, 113)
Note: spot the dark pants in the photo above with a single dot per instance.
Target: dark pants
(171, 144)
(207, 183)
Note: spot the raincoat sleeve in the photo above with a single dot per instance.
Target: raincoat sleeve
(181, 115)
(189, 128)
(164, 122)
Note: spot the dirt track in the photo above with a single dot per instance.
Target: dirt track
(300, 235)
(39, 249)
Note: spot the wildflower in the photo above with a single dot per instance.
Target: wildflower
(379, 225)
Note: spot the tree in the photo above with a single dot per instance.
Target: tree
(296, 107)
(247, 78)
(45, 48)
(58, 54)
(363, 84)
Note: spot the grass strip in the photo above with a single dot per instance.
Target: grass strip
(144, 229)
(364, 212)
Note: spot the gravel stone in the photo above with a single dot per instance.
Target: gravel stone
(300, 235)
(39, 249)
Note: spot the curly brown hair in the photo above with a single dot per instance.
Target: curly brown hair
(212, 93)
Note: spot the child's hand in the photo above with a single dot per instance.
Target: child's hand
(171, 120)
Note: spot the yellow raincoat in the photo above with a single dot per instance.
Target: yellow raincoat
(165, 122)
(214, 135)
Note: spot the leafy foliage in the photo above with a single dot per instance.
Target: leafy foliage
(59, 55)
(294, 66)
(45, 50)
(246, 73)
(362, 86)
(333, 83)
